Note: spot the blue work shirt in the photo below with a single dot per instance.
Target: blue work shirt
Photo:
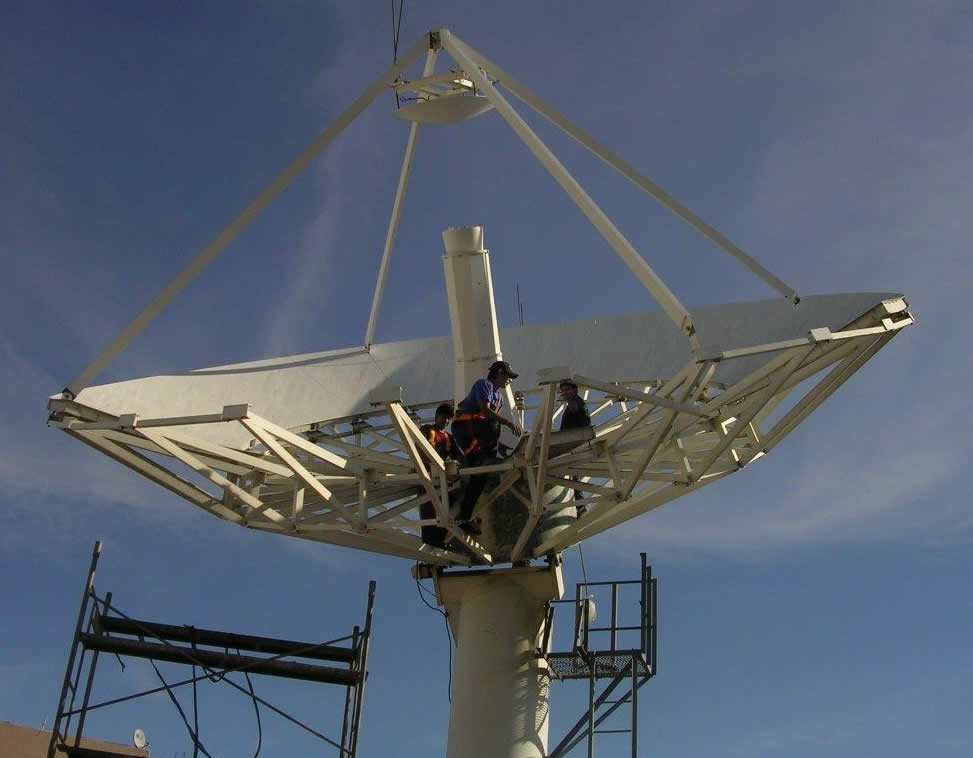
(481, 392)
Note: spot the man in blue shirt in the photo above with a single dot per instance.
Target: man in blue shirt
(476, 428)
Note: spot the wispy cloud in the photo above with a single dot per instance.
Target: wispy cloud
(357, 164)
(31, 456)
(306, 280)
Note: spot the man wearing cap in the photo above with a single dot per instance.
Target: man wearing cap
(476, 428)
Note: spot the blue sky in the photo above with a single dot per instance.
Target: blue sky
(815, 604)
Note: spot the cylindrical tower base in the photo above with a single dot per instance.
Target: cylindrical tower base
(500, 687)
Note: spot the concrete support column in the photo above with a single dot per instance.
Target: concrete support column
(500, 705)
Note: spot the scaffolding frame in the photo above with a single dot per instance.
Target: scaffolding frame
(103, 628)
(617, 664)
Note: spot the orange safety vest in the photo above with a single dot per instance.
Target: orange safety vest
(440, 439)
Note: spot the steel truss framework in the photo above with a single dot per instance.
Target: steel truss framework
(360, 480)
(102, 628)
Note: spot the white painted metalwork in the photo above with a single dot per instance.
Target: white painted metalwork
(454, 87)
(410, 148)
(711, 418)
(317, 446)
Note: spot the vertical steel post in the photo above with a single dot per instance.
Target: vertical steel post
(344, 720)
(580, 632)
(88, 591)
(644, 605)
(655, 624)
(78, 670)
(635, 706)
(360, 689)
(591, 711)
(614, 632)
(91, 678)
(643, 609)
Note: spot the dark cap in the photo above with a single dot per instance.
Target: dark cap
(505, 367)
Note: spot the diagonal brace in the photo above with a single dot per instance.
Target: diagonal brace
(616, 240)
(237, 225)
(625, 169)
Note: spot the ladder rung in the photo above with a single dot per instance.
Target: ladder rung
(613, 731)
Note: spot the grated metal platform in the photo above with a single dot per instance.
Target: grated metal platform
(607, 664)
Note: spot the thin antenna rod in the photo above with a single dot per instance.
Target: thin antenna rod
(214, 248)
(629, 172)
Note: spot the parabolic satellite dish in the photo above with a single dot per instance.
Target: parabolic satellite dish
(139, 739)
(326, 446)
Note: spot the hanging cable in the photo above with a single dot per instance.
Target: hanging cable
(195, 712)
(583, 572)
(194, 735)
(396, 29)
(449, 636)
(253, 697)
(216, 675)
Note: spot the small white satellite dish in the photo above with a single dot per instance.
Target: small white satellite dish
(139, 739)
(592, 611)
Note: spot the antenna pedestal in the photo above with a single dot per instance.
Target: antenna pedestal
(500, 693)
